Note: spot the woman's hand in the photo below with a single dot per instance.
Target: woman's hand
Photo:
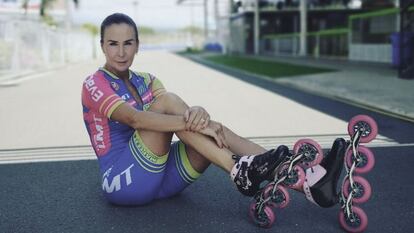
(215, 130)
(196, 118)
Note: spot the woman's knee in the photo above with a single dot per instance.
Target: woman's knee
(197, 161)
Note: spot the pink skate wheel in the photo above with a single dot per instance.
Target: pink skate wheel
(361, 187)
(357, 222)
(366, 124)
(311, 150)
(365, 161)
(264, 219)
(295, 179)
(280, 199)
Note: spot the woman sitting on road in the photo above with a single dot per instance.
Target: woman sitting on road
(131, 119)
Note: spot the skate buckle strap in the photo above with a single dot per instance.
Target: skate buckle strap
(313, 175)
(247, 160)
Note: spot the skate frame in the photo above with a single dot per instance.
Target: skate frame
(278, 179)
(346, 203)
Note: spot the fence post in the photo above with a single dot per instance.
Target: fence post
(15, 61)
(317, 48)
(303, 27)
(45, 46)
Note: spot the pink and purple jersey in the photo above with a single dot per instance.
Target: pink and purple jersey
(102, 93)
(131, 173)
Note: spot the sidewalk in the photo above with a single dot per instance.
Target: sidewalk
(372, 86)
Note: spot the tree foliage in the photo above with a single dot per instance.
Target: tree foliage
(192, 30)
(146, 30)
(91, 28)
(45, 4)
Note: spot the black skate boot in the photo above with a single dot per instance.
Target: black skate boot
(250, 171)
(320, 186)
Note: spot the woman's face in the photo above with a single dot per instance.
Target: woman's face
(119, 46)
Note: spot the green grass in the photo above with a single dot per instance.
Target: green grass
(267, 68)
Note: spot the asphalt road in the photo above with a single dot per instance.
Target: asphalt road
(66, 197)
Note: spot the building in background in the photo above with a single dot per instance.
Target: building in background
(345, 29)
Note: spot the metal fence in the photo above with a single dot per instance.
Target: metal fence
(370, 35)
(326, 43)
(170, 41)
(30, 45)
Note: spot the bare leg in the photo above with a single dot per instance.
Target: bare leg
(241, 146)
(200, 149)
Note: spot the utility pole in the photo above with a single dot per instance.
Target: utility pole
(192, 26)
(135, 5)
(303, 28)
(256, 27)
(217, 19)
(205, 20)
(398, 21)
(68, 27)
(68, 16)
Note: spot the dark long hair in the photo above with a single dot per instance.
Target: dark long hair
(118, 18)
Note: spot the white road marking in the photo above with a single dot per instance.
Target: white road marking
(325, 141)
(77, 153)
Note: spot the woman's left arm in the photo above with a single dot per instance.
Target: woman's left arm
(196, 118)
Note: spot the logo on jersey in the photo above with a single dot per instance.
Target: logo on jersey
(147, 97)
(125, 97)
(115, 86)
(90, 85)
(115, 185)
(141, 90)
(98, 137)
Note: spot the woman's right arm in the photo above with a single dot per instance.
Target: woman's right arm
(97, 95)
(163, 123)
(147, 120)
